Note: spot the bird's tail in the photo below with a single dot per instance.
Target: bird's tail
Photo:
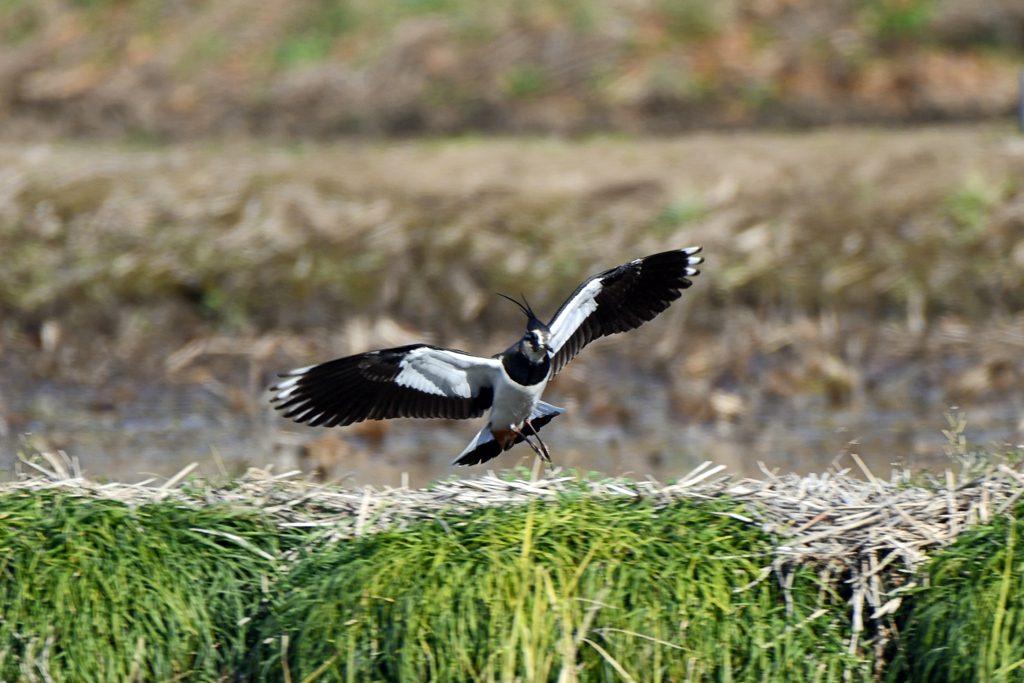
(482, 448)
(541, 415)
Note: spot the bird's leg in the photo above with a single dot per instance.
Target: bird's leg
(544, 446)
(525, 438)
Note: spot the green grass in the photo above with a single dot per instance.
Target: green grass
(615, 588)
(579, 588)
(92, 590)
(968, 626)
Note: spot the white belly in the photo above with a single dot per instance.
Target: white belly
(513, 403)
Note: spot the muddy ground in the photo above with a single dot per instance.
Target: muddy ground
(858, 284)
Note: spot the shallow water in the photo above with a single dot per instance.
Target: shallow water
(161, 428)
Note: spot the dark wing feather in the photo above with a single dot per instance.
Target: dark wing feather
(618, 300)
(436, 382)
(482, 453)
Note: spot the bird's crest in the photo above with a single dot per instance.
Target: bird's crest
(533, 322)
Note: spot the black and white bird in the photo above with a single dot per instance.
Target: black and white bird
(421, 380)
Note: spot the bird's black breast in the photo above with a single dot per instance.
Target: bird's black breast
(521, 371)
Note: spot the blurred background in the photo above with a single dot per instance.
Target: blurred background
(196, 195)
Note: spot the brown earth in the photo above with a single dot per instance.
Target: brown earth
(323, 68)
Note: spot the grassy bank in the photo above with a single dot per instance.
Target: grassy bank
(94, 590)
(967, 626)
(577, 590)
(584, 589)
(564, 579)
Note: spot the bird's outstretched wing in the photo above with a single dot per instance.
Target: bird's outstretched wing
(618, 300)
(409, 381)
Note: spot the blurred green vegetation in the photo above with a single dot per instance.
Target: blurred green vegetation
(323, 21)
(526, 81)
(19, 20)
(312, 33)
(693, 19)
(900, 20)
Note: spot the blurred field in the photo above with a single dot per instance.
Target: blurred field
(858, 283)
(320, 68)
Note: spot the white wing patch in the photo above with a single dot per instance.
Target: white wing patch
(443, 373)
(296, 374)
(289, 386)
(574, 313)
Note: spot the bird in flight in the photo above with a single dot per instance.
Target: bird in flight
(423, 381)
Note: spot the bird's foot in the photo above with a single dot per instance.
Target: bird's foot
(534, 446)
(547, 454)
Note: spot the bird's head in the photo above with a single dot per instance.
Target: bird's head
(535, 344)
